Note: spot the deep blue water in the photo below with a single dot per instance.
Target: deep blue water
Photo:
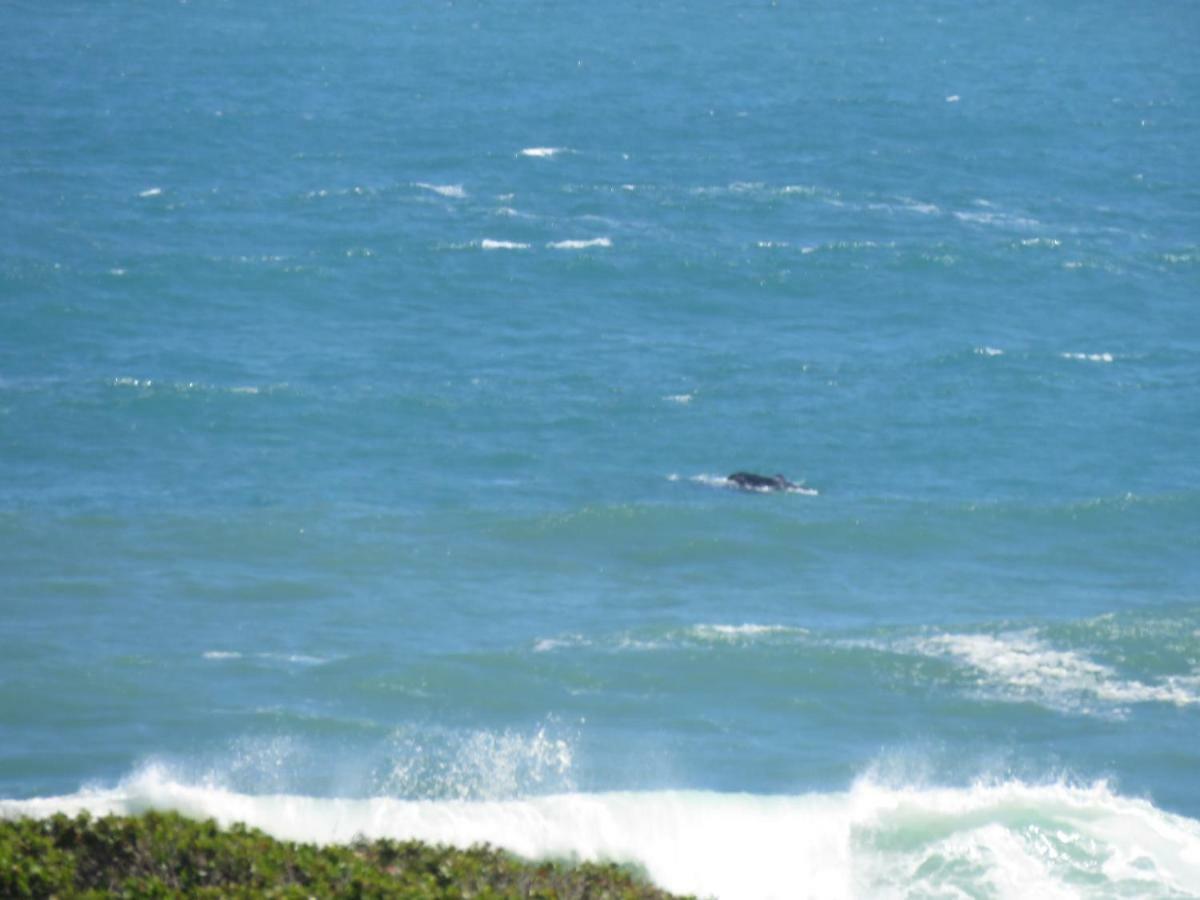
(369, 373)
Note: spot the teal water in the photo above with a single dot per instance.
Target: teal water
(368, 374)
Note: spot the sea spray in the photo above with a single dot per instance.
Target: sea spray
(1006, 839)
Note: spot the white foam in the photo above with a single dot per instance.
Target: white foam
(150, 192)
(953, 98)
(455, 191)
(682, 399)
(721, 481)
(925, 209)
(546, 645)
(742, 633)
(1002, 220)
(302, 659)
(580, 245)
(489, 244)
(543, 152)
(1019, 666)
(988, 351)
(1007, 840)
(1089, 357)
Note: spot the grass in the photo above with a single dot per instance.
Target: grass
(167, 855)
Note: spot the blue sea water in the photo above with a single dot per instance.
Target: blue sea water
(369, 372)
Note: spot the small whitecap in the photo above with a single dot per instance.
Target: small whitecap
(771, 245)
(737, 633)
(721, 481)
(953, 98)
(117, 272)
(542, 152)
(150, 192)
(679, 398)
(221, 654)
(244, 389)
(489, 244)
(580, 245)
(455, 191)
(1000, 219)
(547, 645)
(1089, 357)
(988, 351)
(1021, 666)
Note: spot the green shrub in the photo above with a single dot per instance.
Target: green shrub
(165, 855)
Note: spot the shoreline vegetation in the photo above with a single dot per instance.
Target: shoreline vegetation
(164, 854)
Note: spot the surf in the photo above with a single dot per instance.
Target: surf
(1004, 839)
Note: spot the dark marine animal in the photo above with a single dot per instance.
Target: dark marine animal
(749, 481)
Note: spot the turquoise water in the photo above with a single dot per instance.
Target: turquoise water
(369, 373)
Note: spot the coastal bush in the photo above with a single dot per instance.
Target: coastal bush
(166, 855)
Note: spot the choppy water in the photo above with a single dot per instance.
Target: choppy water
(368, 374)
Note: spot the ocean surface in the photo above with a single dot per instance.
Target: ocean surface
(369, 373)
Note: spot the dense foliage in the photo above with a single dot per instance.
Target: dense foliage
(165, 854)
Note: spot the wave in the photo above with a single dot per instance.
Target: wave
(543, 152)
(1022, 666)
(1034, 665)
(580, 245)
(489, 244)
(742, 633)
(674, 638)
(156, 386)
(999, 219)
(720, 481)
(300, 659)
(1009, 839)
(454, 191)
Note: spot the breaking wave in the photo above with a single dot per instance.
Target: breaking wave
(1010, 839)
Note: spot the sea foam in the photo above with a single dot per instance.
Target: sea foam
(1010, 839)
(489, 244)
(1021, 666)
(455, 191)
(580, 245)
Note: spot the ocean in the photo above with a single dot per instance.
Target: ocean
(370, 373)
